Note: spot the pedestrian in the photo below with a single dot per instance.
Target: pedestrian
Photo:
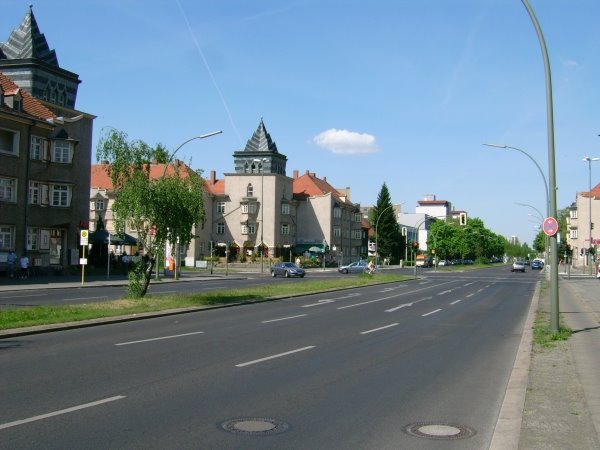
(24, 263)
(125, 262)
(370, 267)
(11, 260)
(298, 261)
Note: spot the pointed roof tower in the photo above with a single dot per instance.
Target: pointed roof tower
(26, 58)
(260, 154)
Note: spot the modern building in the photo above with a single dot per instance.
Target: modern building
(45, 152)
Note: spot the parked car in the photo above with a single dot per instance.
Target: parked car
(518, 266)
(536, 265)
(355, 267)
(287, 269)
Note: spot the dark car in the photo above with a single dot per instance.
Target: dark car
(536, 265)
(355, 267)
(287, 269)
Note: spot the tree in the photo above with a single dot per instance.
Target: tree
(161, 210)
(383, 220)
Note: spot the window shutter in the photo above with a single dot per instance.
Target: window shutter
(45, 194)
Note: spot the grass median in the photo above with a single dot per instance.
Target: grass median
(51, 315)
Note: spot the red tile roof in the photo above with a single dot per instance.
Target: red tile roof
(100, 178)
(31, 105)
(595, 192)
(308, 185)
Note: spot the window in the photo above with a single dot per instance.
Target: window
(99, 204)
(61, 152)
(285, 228)
(357, 218)
(221, 228)
(8, 190)
(32, 238)
(249, 208)
(573, 234)
(249, 228)
(249, 191)
(60, 195)
(6, 237)
(220, 207)
(337, 212)
(35, 193)
(285, 208)
(356, 234)
(337, 231)
(37, 148)
(573, 214)
(9, 141)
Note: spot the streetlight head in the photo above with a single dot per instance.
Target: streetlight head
(590, 159)
(496, 145)
(212, 133)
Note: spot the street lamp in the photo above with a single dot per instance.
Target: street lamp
(377, 235)
(541, 217)
(262, 209)
(589, 161)
(169, 161)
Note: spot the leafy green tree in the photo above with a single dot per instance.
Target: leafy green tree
(383, 220)
(161, 210)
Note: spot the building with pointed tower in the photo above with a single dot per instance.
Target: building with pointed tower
(45, 152)
(259, 213)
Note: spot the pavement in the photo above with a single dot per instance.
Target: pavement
(552, 400)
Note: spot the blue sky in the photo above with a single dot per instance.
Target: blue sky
(401, 91)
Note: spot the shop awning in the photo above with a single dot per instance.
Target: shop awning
(101, 236)
(312, 247)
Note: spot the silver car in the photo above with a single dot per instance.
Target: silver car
(518, 266)
(287, 269)
(355, 267)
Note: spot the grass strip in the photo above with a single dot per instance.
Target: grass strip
(544, 336)
(50, 315)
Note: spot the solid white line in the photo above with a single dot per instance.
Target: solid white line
(159, 338)
(58, 413)
(431, 312)
(469, 295)
(319, 303)
(274, 356)
(83, 298)
(283, 318)
(378, 329)
(455, 302)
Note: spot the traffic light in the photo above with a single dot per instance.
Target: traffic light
(404, 230)
(462, 218)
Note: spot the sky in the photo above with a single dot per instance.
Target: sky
(400, 92)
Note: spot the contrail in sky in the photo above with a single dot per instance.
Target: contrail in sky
(212, 77)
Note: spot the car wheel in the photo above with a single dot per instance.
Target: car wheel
(273, 273)
(286, 274)
(345, 271)
(301, 276)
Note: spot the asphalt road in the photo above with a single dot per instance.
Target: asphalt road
(387, 367)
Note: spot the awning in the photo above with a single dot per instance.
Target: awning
(312, 247)
(101, 236)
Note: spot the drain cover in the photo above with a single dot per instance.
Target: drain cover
(440, 431)
(257, 426)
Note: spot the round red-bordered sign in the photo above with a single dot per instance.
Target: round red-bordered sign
(550, 226)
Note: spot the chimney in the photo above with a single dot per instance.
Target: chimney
(325, 179)
(295, 174)
(213, 177)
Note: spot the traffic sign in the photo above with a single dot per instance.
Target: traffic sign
(83, 237)
(550, 226)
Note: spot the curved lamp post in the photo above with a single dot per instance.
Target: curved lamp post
(262, 209)
(169, 161)
(589, 161)
(377, 235)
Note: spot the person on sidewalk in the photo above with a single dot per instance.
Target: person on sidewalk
(24, 263)
(11, 260)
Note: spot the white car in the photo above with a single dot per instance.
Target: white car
(518, 266)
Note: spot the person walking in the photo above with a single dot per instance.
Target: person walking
(24, 263)
(11, 260)
(370, 267)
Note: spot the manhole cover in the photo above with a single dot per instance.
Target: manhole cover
(440, 431)
(257, 426)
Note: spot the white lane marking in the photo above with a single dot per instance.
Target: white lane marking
(283, 318)
(479, 290)
(455, 302)
(354, 294)
(387, 289)
(25, 296)
(58, 413)
(444, 292)
(83, 298)
(378, 329)
(387, 298)
(469, 295)
(160, 338)
(468, 284)
(267, 358)
(405, 305)
(319, 303)
(431, 312)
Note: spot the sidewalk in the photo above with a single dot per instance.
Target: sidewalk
(562, 403)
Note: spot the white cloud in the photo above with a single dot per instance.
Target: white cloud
(344, 142)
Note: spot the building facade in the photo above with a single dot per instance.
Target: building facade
(45, 152)
(579, 222)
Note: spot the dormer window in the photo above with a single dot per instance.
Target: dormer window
(62, 151)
